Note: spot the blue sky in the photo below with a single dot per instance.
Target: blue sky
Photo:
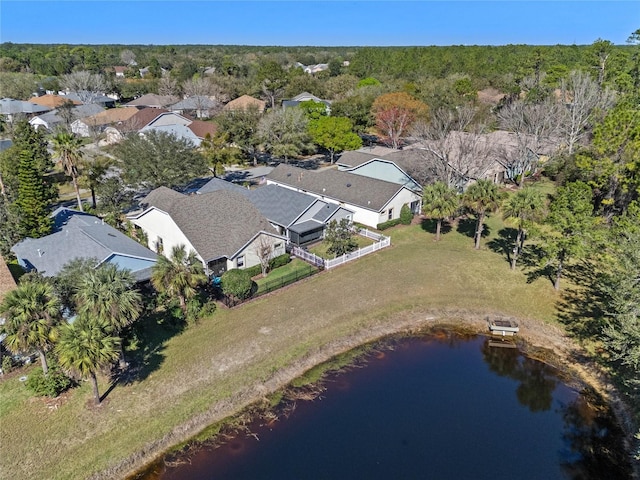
(326, 23)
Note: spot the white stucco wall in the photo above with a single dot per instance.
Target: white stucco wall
(158, 224)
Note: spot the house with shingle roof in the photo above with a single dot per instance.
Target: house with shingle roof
(11, 108)
(87, 126)
(223, 227)
(200, 106)
(153, 100)
(305, 97)
(53, 101)
(244, 103)
(80, 235)
(90, 97)
(372, 200)
(361, 163)
(51, 120)
(299, 217)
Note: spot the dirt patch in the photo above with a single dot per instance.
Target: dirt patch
(565, 353)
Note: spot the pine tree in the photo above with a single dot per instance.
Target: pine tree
(34, 197)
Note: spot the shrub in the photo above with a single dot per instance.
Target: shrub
(7, 364)
(237, 283)
(208, 309)
(406, 215)
(50, 385)
(279, 261)
(253, 271)
(389, 224)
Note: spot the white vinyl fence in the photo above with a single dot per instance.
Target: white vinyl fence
(381, 242)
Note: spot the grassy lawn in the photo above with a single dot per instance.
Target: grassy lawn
(291, 269)
(220, 364)
(321, 248)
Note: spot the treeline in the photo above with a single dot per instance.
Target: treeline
(485, 64)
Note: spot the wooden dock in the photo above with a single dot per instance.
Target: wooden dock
(503, 327)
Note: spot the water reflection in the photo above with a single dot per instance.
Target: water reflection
(536, 380)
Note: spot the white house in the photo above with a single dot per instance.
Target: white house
(223, 227)
(373, 201)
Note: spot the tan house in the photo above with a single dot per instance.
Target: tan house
(244, 102)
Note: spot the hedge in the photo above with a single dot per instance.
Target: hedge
(389, 224)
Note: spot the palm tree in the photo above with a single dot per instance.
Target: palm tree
(84, 347)
(481, 198)
(92, 173)
(441, 202)
(31, 312)
(524, 207)
(178, 276)
(66, 147)
(107, 294)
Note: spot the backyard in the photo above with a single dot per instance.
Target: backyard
(186, 379)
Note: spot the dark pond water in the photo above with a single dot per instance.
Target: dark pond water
(429, 409)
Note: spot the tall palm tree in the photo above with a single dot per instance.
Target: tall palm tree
(179, 275)
(441, 202)
(66, 147)
(481, 198)
(93, 172)
(31, 312)
(84, 347)
(524, 207)
(108, 295)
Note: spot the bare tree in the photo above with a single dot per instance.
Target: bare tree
(454, 152)
(264, 252)
(168, 86)
(583, 99)
(88, 86)
(206, 96)
(533, 125)
(128, 57)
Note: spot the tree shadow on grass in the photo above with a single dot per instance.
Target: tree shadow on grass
(467, 227)
(430, 225)
(504, 243)
(582, 308)
(148, 338)
(530, 260)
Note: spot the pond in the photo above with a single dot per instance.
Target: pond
(428, 408)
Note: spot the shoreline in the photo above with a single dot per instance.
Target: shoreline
(533, 333)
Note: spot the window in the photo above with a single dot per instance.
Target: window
(277, 246)
(240, 262)
(390, 215)
(159, 245)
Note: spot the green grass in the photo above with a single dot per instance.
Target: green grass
(321, 249)
(295, 266)
(217, 365)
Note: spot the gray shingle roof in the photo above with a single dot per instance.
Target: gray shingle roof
(78, 235)
(9, 106)
(218, 224)
(197, 102)
(279, 204)
(216, 184)
(354, 158)
(346, 187)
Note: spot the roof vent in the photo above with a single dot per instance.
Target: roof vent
(289, 174)
(39, 252)
(348, 184)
